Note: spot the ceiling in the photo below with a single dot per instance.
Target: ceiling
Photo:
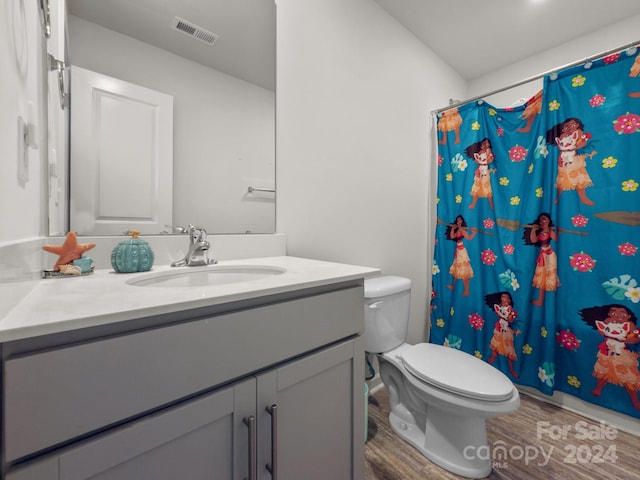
(476, 37)
(246, 28)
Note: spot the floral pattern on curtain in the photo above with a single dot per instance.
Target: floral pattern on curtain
(536, 267)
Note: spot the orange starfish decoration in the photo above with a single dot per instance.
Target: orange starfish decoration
(69, 251)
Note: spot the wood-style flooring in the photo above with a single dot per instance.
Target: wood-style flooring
(610, 454)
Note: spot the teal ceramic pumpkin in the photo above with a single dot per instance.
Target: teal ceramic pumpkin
(133, 255)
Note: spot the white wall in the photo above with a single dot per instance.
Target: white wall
(21, 73)
(354, 92)
(611, 37)
(224, 138)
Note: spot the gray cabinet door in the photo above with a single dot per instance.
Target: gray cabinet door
(319, 401)
(200, 439)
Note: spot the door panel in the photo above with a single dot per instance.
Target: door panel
(198, 440)
(121, 141)
(314, 398)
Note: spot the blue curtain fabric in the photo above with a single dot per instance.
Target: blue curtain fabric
(536, 267)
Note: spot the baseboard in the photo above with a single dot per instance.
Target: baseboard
(622, 422)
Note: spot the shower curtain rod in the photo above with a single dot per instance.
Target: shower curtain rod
(536, 77)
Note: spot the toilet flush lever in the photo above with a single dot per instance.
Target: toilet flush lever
(375, 305)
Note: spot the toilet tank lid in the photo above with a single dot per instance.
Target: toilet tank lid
(386, 285)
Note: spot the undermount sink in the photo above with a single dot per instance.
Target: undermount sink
(206, 276)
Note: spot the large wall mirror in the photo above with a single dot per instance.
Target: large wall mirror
(213, 61)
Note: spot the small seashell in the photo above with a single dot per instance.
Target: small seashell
(69, 269)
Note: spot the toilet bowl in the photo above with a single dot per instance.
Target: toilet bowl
(439, 397)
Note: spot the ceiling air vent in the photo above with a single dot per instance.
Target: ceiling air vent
(192, 30)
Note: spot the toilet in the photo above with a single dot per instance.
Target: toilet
(439, 396)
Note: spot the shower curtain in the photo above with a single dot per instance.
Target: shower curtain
(536, 267)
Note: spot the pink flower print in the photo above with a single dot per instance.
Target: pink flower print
(567, 339)
(488, 257)
(609, 59)
(500, 131)
(488, 223)
(597, 100)
(627, 249)
(517, 153)
(626, 124)
(508, 249)
(582, 262)
(476, 321)
(579, 220)
(440, 160)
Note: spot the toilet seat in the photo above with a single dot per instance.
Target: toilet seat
(457, 372)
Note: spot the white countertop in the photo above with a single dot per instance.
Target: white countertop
(38, 307)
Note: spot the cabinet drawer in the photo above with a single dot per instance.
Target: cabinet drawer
(57, 395)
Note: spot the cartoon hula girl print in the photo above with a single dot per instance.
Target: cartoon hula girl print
(482, 154)
(461, 266)
(450, 120)
(533, 109)
(503, 333)
(570, 137)
(545, 278)
(615, 363)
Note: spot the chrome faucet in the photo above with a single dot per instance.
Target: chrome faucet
(198, 252)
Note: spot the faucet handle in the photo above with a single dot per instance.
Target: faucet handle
(198, 230)
(197, 234)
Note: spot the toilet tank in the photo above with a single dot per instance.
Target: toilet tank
(386, 312)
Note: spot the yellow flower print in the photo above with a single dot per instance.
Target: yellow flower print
(493, 112)
(629, 185)
(515, 200)
(543, 332)
(504, 181)
(458, 198)
(573, 381)
(449, 177)
(526, 349)
(609, 162)
(475, 126)
(530, 169)
(478, 354)
(578, 81)
(539, 192)
(554, 105)
(437, 200)
(451, 311)
(440, 322)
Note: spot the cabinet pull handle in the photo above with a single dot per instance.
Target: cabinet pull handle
(251, 423)
(273, 466)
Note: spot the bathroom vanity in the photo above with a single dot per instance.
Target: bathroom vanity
(252, 379)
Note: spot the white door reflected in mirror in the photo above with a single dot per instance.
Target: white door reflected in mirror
(122, 143)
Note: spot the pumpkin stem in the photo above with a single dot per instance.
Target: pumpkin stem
(134, 233)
